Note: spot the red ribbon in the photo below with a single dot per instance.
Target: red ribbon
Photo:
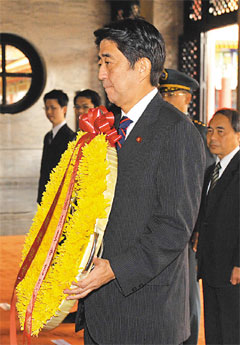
(100, 120)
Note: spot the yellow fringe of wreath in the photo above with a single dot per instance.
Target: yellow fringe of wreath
(93, 206)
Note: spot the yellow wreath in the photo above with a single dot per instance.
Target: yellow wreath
(86, 220)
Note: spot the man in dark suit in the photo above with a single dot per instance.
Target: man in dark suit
(177, 88)
(55, 141)
(218, 226)
(138, 292)
(83, 101)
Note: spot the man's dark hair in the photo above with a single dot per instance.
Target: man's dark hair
(59, 95)
(233, 116)
(136, 39)
(90, 94)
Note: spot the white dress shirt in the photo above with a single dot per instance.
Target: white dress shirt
(137, 110)
(224, 163)
(226, 160)
(56, 128)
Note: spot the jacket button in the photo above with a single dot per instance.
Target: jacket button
(134, 289)
(141, 285)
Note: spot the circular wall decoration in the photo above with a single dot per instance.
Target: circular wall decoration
(22, 74)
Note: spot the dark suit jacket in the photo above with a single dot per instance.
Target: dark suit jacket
(52, 154)
(153, 214)
(218, 226)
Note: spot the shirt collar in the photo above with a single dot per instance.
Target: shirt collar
(137, 110)
(226, 160)
(56, 128)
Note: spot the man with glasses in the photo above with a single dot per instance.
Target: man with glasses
(218, 225)
(55, 141)
(83, 101)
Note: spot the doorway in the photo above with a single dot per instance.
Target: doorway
(219, 70)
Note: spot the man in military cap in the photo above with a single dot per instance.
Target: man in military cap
(177, 88)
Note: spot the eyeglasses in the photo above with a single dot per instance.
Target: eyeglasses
(80, 106)
(172, 93)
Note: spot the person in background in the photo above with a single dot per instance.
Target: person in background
(137, 293)
(218, 226)
(83, 101)
(177, 89)
(56, 141)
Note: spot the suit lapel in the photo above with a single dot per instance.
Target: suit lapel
(223, 182)
(49, 138)
(142, 130)
(58, 136)
(207, 179)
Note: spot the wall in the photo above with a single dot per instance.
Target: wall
(62, 32)
(168, 18)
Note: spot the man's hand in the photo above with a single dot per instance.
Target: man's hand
(194, 240)
(235, 276)
(100, 275)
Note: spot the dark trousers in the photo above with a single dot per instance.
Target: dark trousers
(221, 314)
(194, 299)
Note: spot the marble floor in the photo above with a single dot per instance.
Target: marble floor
(17, 206)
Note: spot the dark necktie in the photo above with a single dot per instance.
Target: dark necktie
(215, 176)
(122, 129)
(50, 137)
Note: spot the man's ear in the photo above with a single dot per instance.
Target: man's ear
(65, 110)
(188, 97)
(144, 66)
(238, 135)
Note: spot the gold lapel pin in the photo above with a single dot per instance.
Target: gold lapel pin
(139, 139)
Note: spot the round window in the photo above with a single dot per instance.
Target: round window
(22, 74)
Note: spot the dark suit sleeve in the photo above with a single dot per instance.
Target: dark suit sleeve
(52, 154)
(43, 170)
(207, 177)
(236, 250)
(236, 256)
(179, 179)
